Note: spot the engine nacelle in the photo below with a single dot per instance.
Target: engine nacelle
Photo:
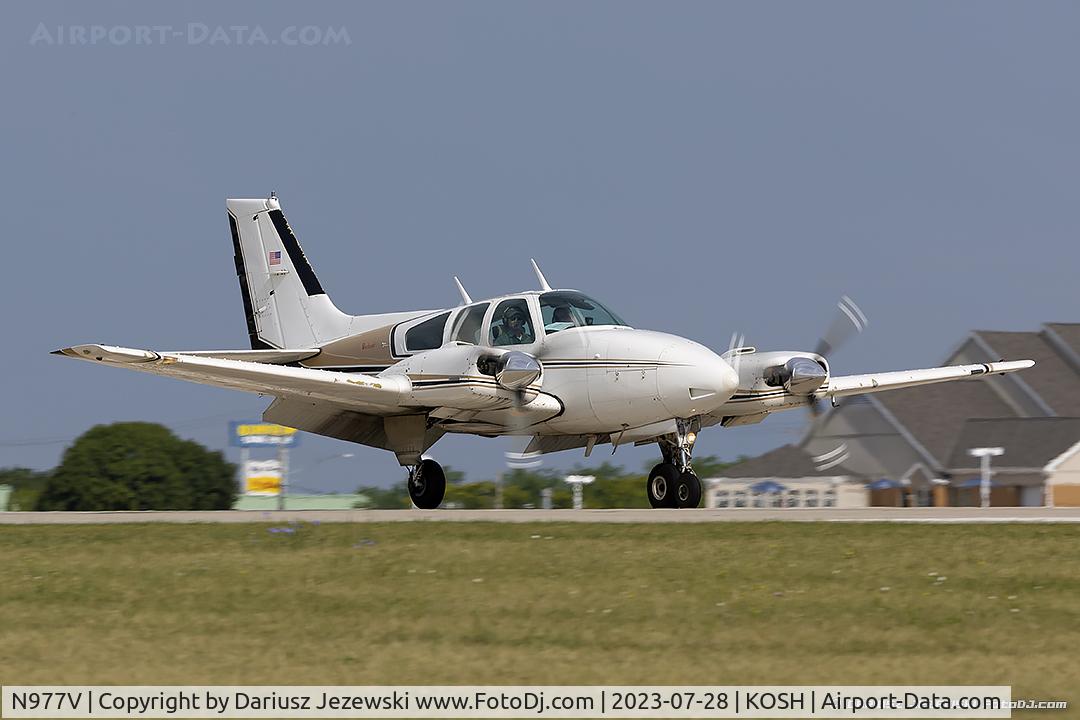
(799, 373)
(470, 377)
(514, 370)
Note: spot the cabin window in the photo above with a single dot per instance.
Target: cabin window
(427, 335)
(470, 323)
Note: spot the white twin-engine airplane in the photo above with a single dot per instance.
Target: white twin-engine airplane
(555, 365)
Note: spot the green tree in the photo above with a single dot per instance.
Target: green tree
(614, 487)
(453, 477)
(616, 492)
(522, 487)
(139, 466)
(474, 495)
(210, 476)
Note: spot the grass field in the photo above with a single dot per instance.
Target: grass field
(447, 603)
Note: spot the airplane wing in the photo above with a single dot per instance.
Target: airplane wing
(847, 385)
(356, 392)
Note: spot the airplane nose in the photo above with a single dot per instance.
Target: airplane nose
(730, 379)
(693, 380)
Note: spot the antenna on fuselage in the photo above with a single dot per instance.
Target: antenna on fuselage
(540, 276)
(464, 293)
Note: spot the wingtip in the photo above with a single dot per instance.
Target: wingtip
(108, 353)
(1008, 366)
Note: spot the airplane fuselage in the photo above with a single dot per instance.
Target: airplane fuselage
(595, 380)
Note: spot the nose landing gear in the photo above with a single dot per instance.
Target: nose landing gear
(427, 484)
(672, 483)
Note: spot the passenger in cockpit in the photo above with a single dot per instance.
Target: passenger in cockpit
(561, 319)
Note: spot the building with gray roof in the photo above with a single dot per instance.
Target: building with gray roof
(918, 438)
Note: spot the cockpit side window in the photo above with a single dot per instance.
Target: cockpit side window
(469, 324)
(427, 335)
(563, 309)
(511, 324)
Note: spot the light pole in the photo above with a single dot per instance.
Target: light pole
(576, 481)
(984, 454)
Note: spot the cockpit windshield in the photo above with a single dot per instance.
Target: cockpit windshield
(564, 309)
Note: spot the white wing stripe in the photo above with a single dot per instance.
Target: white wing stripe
(846, 385)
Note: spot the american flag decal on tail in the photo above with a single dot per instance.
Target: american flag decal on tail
(275, 257)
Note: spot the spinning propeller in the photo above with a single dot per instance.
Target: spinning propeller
(848, 321)
(803, 375)
(518, 371)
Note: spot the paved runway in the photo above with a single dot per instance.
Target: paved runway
(871, 514)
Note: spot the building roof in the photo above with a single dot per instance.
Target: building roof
(783, 462)
(1053, 378)
(1069, 332)
(1068, 335)
(935, 414)
(1028, 442)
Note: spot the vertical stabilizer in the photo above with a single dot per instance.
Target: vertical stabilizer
(285, 305)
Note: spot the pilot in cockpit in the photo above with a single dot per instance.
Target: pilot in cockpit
(514, 330)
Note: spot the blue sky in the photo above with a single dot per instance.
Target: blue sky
(701, 167)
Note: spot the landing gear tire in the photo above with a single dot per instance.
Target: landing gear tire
(688, 490)
(427, 485)
(660, 487)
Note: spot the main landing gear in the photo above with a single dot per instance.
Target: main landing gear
(427, 484)
(672, 483)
